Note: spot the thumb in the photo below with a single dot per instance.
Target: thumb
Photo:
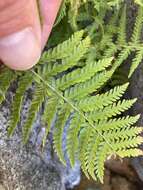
(21, 32)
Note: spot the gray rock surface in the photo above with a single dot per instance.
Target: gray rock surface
(28, 167)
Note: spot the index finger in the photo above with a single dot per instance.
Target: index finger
(49, 10)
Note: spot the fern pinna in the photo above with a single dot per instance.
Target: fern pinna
(109, 34)
(117, 43)
(69, 84)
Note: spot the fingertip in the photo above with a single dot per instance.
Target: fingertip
(21, 50)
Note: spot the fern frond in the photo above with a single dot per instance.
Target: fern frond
(122, 28)
(6, 78)
(123, 133)
(23, 84)
(97, 151)
(110, 111)
(64, 49)
(117, 123)
(91, 155)
(49, 115)
(102, 100)
(127, 143)
(84, 135)
(122, 56)
(102, 129)
(61, 14)
(132, 152)
(136, 61)
(87, 131)
(81, 90)
(72, 138)
(71, 60)
(102, 154)
(129, 133)
(73, 12)
(61, 120)
(110, 52)
(138, 26)
(83, 74)
(36, 103)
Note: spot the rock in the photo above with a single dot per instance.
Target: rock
(123, 168)
(28, 167)
(107, 181)
(138, 166)
(120, 183)
(87, 184)
(25, 167)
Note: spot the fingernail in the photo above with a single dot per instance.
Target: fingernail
(20, 51)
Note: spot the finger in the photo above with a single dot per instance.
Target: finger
(49, 9)
(21, 33)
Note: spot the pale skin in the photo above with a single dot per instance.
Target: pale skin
(25, 26)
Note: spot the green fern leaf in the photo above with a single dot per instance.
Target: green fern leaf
(71, 60)
(136, 61)
(83, 74)
(122, 28)
(24, 83)
(110, 52)
(132, 152)
(101, 100)
(72, 138)
(91, 155)
(6, 78)
(61, 14)
(100, 160)
(138, 26)
(49, 114)
(37, 101)
(81, 90)
(84, 135)
(123, 55)
(64, 49)
(128, 143)
(62, 117)
(123, 133)
(117, 123)
(110, 111)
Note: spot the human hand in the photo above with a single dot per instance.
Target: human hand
(25, 26)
